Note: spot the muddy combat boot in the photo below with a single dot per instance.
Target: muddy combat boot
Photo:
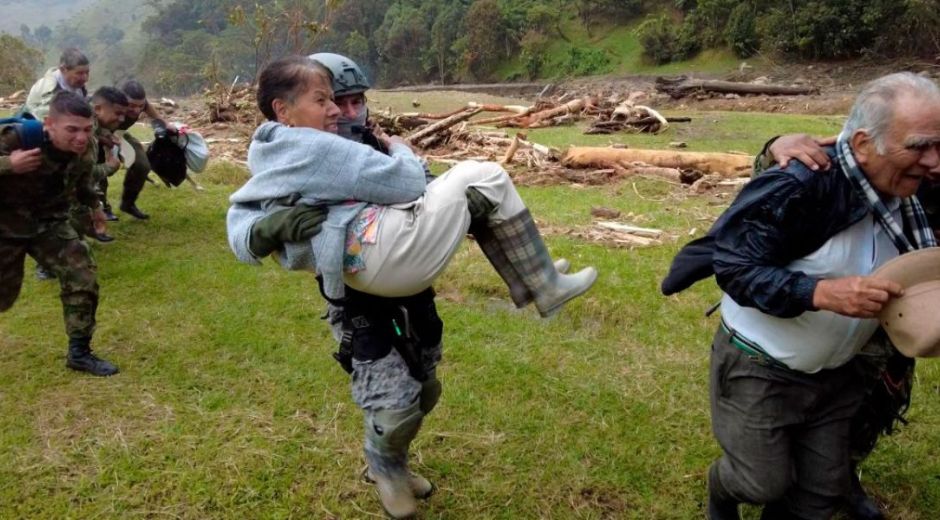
(527, 254)
(420, 487)
(388, 435)
(81, 358)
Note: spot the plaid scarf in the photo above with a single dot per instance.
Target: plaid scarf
(911, 209)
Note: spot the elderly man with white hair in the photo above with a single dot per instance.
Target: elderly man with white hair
(793, 255)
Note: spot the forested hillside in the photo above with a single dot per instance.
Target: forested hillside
(180, 45)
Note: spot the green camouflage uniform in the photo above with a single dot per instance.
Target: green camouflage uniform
(34, 220)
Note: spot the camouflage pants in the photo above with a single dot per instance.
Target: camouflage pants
(61, 251)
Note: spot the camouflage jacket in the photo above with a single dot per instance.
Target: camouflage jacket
(32, 203)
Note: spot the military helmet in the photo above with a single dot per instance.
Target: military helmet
(348, 78)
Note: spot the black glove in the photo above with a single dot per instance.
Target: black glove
(294, 224)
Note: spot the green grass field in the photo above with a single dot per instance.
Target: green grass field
(230, 406)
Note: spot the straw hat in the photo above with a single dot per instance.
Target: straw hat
(912, 321)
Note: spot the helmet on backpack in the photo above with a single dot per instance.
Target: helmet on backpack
(348, 78)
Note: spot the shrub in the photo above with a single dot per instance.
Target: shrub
(741, 32)
(659, 39)
(584, 62)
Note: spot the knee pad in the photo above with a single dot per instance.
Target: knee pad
(390, 431)
(430, 392)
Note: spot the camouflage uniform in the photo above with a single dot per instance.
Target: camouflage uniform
(136, 175)
(34, 220)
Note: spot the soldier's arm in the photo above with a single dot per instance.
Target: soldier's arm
(8, 143)
(86, 185)
(801, 147)
(14, 160)
(111, 164)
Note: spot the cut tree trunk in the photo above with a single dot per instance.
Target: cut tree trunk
(683, 86)
(726, 164)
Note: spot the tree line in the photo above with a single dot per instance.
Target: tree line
(196, 42)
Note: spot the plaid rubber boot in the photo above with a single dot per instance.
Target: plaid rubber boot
(480, 210)
(526, 253)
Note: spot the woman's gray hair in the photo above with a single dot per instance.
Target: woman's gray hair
(874, 106)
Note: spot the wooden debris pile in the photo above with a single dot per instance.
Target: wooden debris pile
(628, 116)
(14, 101)
(235, 104)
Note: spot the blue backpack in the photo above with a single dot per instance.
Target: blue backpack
(27, 128)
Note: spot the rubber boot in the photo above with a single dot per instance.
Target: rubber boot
(527, 254)
(420, 487)
(721, 505)
(480, 209)
(82, 359)
(858, 504)
(388, 436)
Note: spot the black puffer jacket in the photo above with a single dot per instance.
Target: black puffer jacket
(782, 215)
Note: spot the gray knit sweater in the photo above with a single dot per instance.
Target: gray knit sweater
(319, 167)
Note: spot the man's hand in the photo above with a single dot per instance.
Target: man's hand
(855, 296)
(803, 148)
(111, 160)
(295, 224)
(106, 140)
(25, 161)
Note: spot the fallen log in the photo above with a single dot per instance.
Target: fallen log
(575, 105)
(726, 164)
(442, 125)
(683, 86)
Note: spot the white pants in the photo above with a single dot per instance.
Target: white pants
(416, 240)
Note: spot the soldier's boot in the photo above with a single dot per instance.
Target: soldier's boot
(430, 394)
(858, 504)
(82, 359)
(109, 215)
(480, 227)
(721, 505)
(420, 487)
(388, 434)
(131, 209)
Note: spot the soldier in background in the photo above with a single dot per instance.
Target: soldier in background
(110, 105)
(37, 188)
(136, 174)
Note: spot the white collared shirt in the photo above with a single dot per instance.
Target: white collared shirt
(819, 340)
(60, 79)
